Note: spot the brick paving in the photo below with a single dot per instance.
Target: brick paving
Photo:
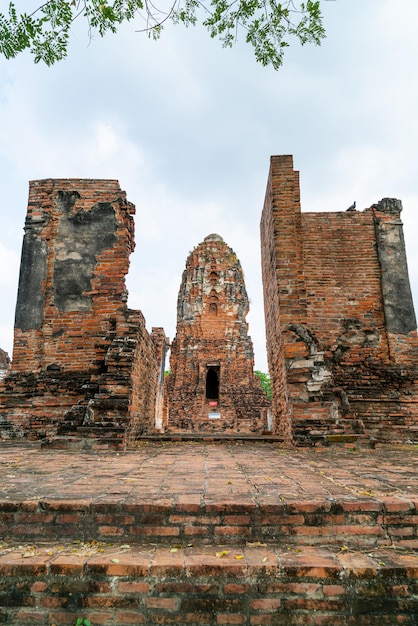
(207, 473)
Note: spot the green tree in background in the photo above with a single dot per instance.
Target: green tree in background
(266, 24)
(265, 382)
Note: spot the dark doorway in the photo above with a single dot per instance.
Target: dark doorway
(212, 383)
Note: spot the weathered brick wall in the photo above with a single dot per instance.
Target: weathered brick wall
(75, 255)
(212, 344)
(278, 177)
(83, 362)
(264, 586)
(368, 523)
(5, 364)
(343, 310)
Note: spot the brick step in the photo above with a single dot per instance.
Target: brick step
(100, 429)
(74, 442)
(310, 437)
(330, 430)
(250, 585)
(362, 522)
(184, 436)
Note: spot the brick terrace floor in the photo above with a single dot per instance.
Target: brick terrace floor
(208, 472)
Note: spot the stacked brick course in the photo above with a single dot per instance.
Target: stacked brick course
(83, 362)
(341, 330)
(366, 523)
(212, 387)
(252, 586)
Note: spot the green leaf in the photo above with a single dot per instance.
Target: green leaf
(267, 25)
(264, 379)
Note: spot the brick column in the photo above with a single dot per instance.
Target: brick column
(283, 276)
(396, 290)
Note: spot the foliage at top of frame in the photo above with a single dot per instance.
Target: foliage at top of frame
(267, 25)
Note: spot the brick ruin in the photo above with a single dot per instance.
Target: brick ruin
(4, 363)
(84, 364)
(341, 330)
(212, 386)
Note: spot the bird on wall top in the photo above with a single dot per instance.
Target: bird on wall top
(352, 207)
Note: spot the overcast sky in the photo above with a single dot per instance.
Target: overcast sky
(188, 128)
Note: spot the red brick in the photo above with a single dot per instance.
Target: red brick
(208, 565)
(100, 618)
(69, 564)
(68, 518)
(156, 531)
(358, 564)
(53, 602)
(31, 617)
(333, 590)
(396, 504)
(231, 530)
(133, 587)
(128, 564)
(169, 604)
(111, 531)
(38, 586)
(62, 618)
(266, 604)
(166, 563)
(182, 587)
(12, 564)
(228, 618)
(130, 617)
(241, 520)
(305, 589)
(193, 531)
(234, 588)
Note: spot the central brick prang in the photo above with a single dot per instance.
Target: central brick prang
(212, 386)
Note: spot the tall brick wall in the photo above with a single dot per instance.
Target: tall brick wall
(339, 317)
(82, 361)
(281, 406)
(212, 386)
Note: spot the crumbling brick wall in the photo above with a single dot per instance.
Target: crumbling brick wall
(82, 361)
(5, 363)
(339, 316)
(212, 386)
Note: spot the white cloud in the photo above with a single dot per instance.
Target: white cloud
(9, 263)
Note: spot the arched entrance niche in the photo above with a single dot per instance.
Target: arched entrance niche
(212, 382)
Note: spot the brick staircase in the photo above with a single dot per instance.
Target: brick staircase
(121, 540)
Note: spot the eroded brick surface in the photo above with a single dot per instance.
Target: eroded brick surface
(341, 330)
(84, 364)
(4, 363)
(119, 585)
(212, 387)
